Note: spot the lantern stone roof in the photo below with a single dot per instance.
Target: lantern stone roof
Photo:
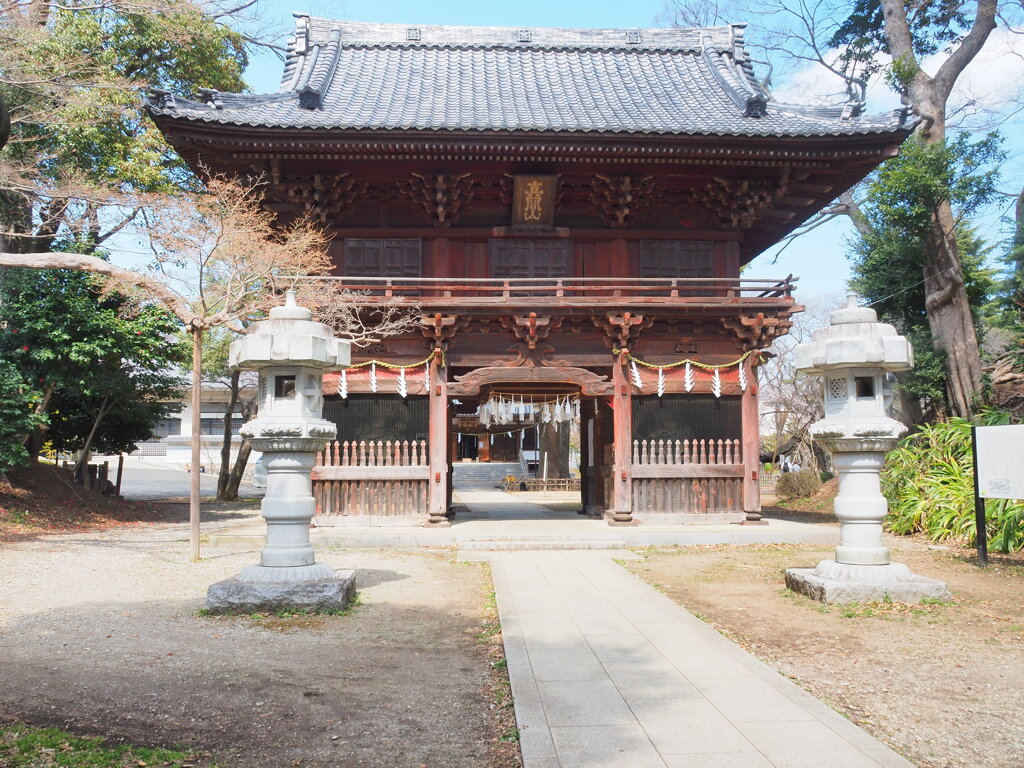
(342, 75)
(854, 339)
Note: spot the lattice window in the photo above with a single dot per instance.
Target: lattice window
(378, 417)
(531, 258)
(837, 389)
(687, 417)
(383, 257)
(677, 258)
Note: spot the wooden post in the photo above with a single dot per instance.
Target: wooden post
(751, 447)
(585, 406)
(599, 494)
(120, 472)
(622, 484)
(437, 505)
(194, 509)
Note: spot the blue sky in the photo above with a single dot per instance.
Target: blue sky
(818, 258)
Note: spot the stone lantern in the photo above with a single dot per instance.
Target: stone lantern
(291, 352)
(856, 356)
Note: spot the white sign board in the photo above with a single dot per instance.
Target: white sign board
(1000, 469)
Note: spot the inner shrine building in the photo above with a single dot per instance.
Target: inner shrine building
(567, 212)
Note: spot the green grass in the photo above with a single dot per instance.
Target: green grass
(22, 746)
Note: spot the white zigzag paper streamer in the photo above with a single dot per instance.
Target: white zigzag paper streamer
(716, 384)
(373, 377)
(426, 376)
(661, 382)
(343, 384)
(688, 378)
(635, 373)
(403, 390)
(743, 377)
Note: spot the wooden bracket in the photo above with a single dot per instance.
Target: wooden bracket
(620, 199)
(441, 329)
(442, 196)
(756, 331)
(621, 329)
(323, 197)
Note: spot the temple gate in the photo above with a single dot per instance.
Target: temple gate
(568, 212)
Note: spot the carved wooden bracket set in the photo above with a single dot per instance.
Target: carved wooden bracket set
(441, 196)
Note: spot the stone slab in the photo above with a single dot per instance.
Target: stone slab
(826, 590)
(234, 596)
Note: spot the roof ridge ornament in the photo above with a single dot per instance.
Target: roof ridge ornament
(320, 72)
(754, 103)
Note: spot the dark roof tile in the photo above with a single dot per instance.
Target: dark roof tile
(353, 75)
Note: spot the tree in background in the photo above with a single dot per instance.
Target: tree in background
(18, 417)
(103, 369)
(81, 149)
(922, 49)
(217, 372)
(222, 260)
(895, 224)
(790, 401)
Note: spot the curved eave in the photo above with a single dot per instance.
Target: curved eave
(876, 143)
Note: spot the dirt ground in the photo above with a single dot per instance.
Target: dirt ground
(43, 498)
(101, 634)
(941, 684)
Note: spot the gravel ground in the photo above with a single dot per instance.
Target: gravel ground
(941, 684)
(100, 633)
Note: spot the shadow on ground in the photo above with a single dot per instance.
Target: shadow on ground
(386, 685)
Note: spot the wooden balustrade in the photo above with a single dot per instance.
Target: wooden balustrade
(677, 452)
(696, 477)
(371, 453)
(371, 477)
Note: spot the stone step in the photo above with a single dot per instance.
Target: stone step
(483, 474)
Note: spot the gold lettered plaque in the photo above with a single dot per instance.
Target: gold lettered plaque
(533, 201)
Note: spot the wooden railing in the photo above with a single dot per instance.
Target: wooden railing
(469, 291)
(679, 452)
(692, 477)
(371, 477)
(373, 453)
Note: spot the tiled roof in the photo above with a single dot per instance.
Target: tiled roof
(360, 76)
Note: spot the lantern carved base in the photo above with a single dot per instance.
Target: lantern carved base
(321, 595)
(833, 582)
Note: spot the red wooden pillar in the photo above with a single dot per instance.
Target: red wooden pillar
(751, 445)
(585, 407)
(437, 503)
(622, 425)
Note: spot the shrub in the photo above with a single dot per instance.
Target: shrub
(798, 485)
(929, 482)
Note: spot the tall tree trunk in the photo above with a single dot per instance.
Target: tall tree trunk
(193, 496)
(235, 478)
(554, 446)
(5, 122)
(100, 414)
(224, 474)
(949, 314)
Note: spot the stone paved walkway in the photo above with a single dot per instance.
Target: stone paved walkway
(606, 671)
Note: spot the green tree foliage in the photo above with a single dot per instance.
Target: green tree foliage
(929, 482)
(889, 255)
(73, 77)
(18, 417)
(102, 367)
(934, 24)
